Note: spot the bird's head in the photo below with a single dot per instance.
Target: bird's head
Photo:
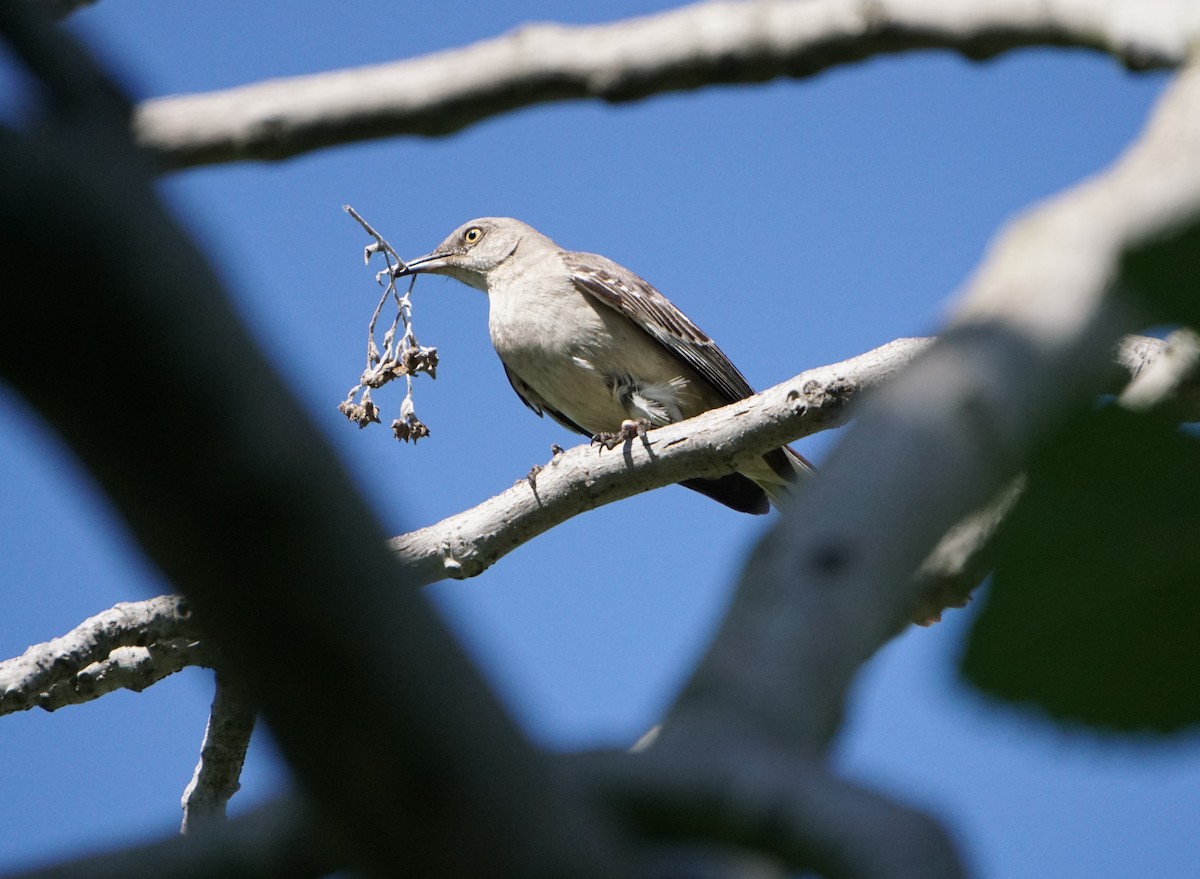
(472, 250)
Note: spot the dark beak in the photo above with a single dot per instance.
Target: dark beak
(431, 263)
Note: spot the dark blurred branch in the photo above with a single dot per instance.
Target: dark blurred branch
(283, 839)
(783, 804)
(244, 507)
(58, 8)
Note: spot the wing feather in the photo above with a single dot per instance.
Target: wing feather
(619, 288)
(533, 400)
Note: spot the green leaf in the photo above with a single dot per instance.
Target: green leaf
(1094, 611)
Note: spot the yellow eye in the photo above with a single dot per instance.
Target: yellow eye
(472, 235)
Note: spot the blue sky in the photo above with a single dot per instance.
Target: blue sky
(797, 222)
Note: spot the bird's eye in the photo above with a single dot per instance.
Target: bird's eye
(472, 235)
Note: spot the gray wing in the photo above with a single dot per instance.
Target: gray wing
(533, 400)
(619, 288)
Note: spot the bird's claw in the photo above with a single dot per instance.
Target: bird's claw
(629, 430)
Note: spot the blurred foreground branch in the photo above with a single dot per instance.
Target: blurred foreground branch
(1029, 341)
(241, 503)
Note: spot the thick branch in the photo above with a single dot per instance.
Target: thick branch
(1029, 340)
(284, 838)
(786, 805)
(239, 500)
(701, 44)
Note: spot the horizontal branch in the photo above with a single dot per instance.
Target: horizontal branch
(131, 645)
(687, 48)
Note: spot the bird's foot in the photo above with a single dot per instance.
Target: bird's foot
(630, 429)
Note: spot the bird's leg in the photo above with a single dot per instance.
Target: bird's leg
(629, 430)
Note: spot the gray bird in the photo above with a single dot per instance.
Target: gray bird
(600, 350)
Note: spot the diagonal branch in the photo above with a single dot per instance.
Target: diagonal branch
(240, 501)
(138, 643)
(586, 477)
(686, 48)
(1029, 340)
(466, 544)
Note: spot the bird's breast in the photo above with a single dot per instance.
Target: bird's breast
(582, 357)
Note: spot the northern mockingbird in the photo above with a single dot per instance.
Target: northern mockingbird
(599, 349)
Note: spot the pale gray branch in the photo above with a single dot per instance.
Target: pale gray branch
(132, 645)
(136, 644)
(586, 477)
(126, 668)
(466, 544)
(697, 45)
(222, 753)
(1170, 378)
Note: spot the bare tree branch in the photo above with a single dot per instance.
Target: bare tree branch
(697, 45)
(132, 645)
(272, 531)
(65, 671)
(466, 544)
(222, 753)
